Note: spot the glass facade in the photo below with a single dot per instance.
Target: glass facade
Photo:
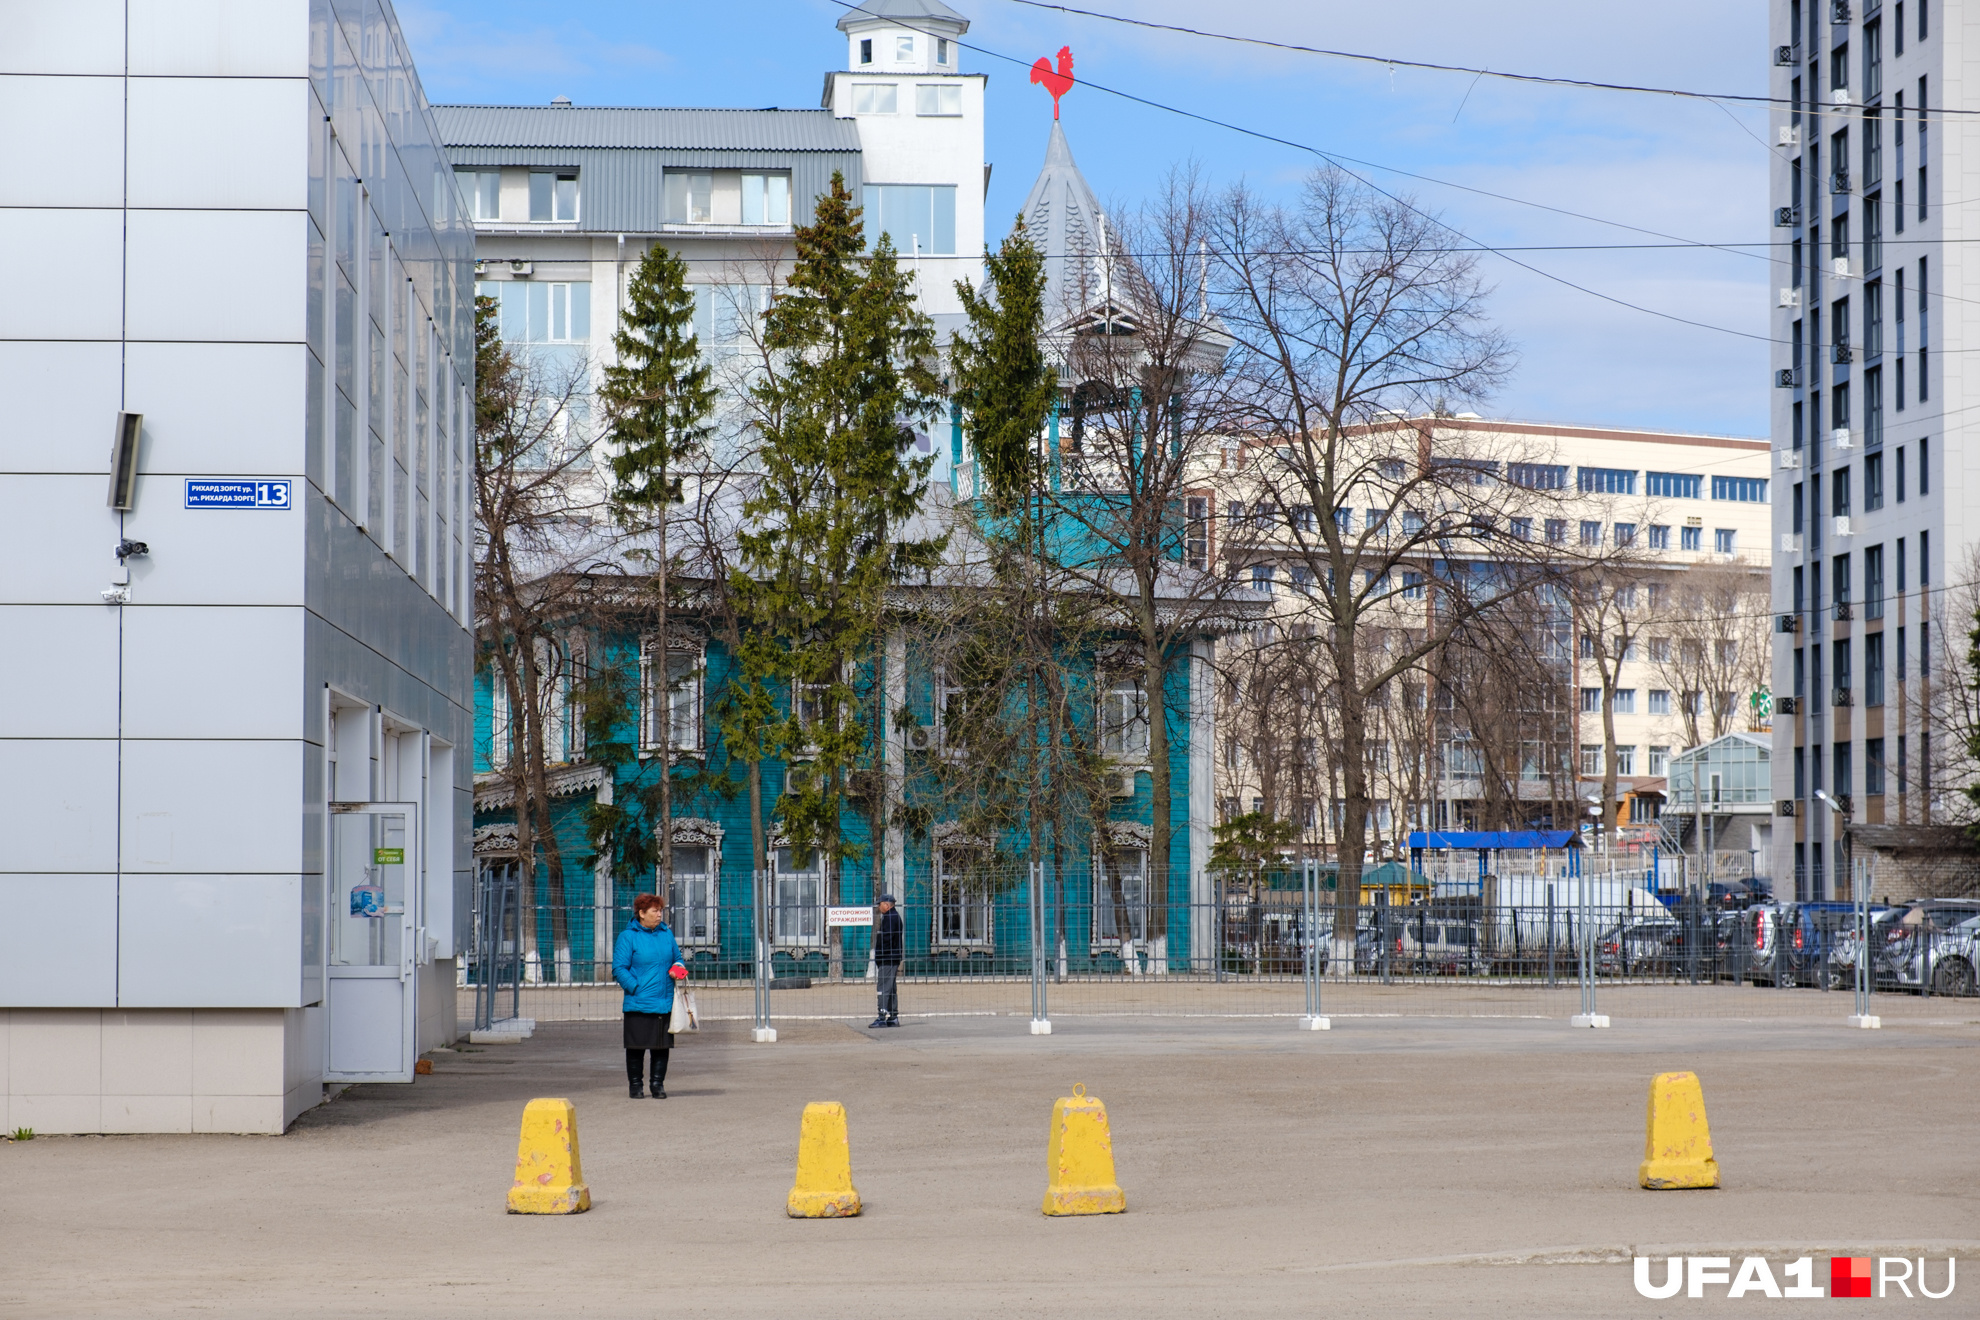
(390, 325)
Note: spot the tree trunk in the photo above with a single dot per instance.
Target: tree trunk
(666, 725)
(759, 866)
(537, 806)
(877, 807)
(1162, 832)
(1352, 832)
(1609, 804)
(515, 766)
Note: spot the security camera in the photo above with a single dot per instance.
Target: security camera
(132, 549)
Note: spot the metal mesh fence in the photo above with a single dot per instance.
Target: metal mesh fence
(1029, 946)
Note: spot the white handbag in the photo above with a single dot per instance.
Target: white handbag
(684, 1017)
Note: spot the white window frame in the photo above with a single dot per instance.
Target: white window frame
(876, 98)
(1122, 720)
(773, 198)
(558, 178)
(500, 718)
(945, 692)
(560, 305)
(904, 48)
(690, 696)
(478, 182)
(693, 184)
(941, 100)
(977, 919)
(788, 914)
(712, 878)
(1106, 934)
(798, 691)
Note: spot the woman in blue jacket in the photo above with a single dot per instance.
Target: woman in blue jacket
(646, 962)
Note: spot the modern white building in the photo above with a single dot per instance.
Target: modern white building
(236, 342)
(1873, 500)
(1685, 518)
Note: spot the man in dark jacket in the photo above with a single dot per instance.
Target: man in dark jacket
(888, 942)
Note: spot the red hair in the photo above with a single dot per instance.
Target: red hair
(645, 901)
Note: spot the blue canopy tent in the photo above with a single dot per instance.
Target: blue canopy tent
(1487, 842)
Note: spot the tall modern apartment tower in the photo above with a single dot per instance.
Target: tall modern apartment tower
(237, 350)
(1872, 505)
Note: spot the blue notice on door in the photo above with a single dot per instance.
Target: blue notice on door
(236, 493)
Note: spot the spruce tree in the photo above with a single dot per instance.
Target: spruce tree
(658, 400)
(849, 366)
(1002, 380)
(1009, 662)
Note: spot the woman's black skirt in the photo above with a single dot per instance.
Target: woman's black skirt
(647, 1031)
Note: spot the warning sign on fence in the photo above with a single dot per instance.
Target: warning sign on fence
(849, 916)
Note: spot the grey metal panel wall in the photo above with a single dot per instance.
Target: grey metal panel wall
(646, 127)
(620, 187)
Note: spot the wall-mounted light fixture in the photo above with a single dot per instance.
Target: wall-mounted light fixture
(124, 461)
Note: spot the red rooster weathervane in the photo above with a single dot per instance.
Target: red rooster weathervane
(1057, 83)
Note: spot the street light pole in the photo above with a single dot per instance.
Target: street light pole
(1860, 893)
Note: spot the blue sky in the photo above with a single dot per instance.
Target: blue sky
(1685, 168)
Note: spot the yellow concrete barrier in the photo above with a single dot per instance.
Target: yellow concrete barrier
(549, 1178)
(824, 1186)
(1677, 1141)
(1079, 1159)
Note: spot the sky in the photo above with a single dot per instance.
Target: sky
(1689, 170)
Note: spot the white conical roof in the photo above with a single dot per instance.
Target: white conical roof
(1065, 222)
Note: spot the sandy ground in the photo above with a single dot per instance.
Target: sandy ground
(1392, 1167)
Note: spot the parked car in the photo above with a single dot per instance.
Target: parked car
(1956, 960)
(1644, 947)
(1820, 945)
(1931, 943)
(1694, 940)
(1378, 940)
(1438, 943)
(1759, 930)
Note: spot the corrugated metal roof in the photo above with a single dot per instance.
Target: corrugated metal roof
(644, 127)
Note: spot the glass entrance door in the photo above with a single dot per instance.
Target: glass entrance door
(374, 859)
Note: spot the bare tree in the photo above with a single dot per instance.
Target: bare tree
(1945, 707)
(535, 502)
(1349, 309)
(1710, 646)
(1149, 404)
(1611, 606)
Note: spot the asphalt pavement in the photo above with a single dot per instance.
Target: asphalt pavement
(1392, 1167)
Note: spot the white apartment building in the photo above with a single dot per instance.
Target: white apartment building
(237, 346)
(567, 198)
(1686, 520)
(1873, 501)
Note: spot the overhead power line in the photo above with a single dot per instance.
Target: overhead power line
(1390, 61)
(1341, 162)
